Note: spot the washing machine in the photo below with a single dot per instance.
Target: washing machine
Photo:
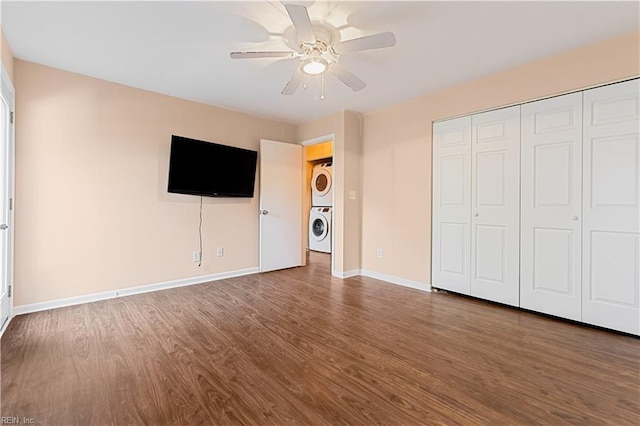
(320, 229)
(321, 185)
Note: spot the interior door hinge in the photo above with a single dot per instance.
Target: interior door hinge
(11, 119)
(10, 203)
(10, 289)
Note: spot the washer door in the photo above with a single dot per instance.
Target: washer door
(321, 182)
(319, 228)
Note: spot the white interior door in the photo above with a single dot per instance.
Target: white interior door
(451, 205)
(611, 208)
(551, 206)
(6, 164)
(495, 205)
(280, 205)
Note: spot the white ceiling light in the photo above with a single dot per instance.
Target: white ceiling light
(315, 66)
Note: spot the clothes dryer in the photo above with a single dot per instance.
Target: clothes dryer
(322, 185)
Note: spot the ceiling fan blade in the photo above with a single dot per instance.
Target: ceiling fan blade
(294, 82)
(302, 23)
(253, 55)
(375, 41)
(347, 77)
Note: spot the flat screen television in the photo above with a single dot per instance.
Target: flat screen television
(210, 169)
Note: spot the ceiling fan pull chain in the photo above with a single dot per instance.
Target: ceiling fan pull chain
(322, 86)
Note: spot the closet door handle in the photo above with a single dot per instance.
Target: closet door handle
(475, 214)
(574, 218)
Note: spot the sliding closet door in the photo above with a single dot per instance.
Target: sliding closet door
(611, 208)
(451, 204)
(551, 206)
(495, 205)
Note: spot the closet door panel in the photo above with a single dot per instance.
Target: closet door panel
(451, 204)
(495, 205)
(611, 208)
(551, 206)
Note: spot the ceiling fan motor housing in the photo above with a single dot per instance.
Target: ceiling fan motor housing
(322, 32)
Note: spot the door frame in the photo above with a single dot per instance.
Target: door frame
(8, 92)
(314, 141)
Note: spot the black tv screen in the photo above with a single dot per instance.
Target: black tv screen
(210, 169)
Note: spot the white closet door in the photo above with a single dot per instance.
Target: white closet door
(551, 206)
(451, 204)
(611, 208)
(495, 199)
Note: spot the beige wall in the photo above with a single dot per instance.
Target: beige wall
(92, 212)
(6, 55)
(397, 146)
(352, 184)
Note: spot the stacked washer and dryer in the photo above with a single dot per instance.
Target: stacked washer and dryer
(320, 215)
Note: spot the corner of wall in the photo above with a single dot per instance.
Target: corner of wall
(6, 55)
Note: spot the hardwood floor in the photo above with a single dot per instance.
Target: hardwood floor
(300, 347)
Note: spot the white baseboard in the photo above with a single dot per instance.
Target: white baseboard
(88, 298)
(396, 280)
(95, 297)
(347, 274)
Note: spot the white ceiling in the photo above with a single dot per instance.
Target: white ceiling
(182, 48)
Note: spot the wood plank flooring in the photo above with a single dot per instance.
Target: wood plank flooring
(300, 347)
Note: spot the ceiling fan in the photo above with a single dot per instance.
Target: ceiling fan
(318, 47)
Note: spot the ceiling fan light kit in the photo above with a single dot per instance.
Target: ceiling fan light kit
(315, 66)
(318, 47)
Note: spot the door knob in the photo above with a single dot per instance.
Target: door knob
(574, 218)
(264, 212)
(3, 227)
(475, 214)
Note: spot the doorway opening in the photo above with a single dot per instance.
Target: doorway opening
(319, 184)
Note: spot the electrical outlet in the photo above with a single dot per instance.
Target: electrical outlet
(220, 252)
(196, 256)
(379, 253)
